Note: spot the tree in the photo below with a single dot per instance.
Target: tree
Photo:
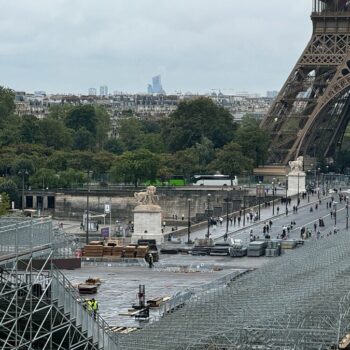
(195, 119)
(131, 134)
(53, 133)
(254, 141)
(82, 117)
(7, 104)
(230, 161)
(70, 178)
(186, 163)
(10, 188)
(115, 146)
(44, 178)
(134, 167)
(103, 126)
(29, 129)
(4, 203)
(84, 140)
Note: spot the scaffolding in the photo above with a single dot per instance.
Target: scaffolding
(39, 308)
(298, 301)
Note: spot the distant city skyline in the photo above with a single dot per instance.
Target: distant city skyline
(196, 45)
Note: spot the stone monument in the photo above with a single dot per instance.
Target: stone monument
(147, 217)
(296, 177)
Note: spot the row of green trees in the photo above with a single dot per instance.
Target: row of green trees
(58, 151)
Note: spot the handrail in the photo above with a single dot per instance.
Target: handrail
(74, 294)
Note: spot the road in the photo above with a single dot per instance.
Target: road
(304, 218)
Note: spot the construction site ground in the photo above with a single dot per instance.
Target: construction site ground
(172, 274)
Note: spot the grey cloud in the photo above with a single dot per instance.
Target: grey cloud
(71, 45)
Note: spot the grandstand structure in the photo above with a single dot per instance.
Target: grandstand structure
(39, 308)
(298, 301)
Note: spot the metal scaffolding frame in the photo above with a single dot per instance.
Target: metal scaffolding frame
(39, 308)
(298, 301)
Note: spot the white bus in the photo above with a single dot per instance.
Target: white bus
(214, 180)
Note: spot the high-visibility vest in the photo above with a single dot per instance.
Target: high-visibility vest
(94, 305)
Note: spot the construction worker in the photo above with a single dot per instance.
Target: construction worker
(150, 260)
(92, 307)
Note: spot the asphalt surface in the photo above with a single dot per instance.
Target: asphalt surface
(304, 218)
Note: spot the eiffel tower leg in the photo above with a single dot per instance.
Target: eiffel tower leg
(312, 110)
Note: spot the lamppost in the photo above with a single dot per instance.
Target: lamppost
(189, 221)
(347, 212)
(243, 210)
(318, 182)
(227, 201)
(258, 193)
(286, 195)
(23, 172)
(335, 213)
(298, 190)
(87, 208)
(208, 212)
(273, 196)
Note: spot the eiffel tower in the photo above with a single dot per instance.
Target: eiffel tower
(312, 110)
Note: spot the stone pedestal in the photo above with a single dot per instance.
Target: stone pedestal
(148, 223)
(293, 179)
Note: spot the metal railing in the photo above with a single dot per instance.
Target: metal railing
(95, 326)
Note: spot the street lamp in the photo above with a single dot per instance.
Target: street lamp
(258, 193)
(208, 206)
(243, 210)
(347, 212)
(189, 221)
(87, 208)
(23, 172)
(227, 201)
(286, 194)
(335, 213)
(273, 196)
(318, 182)
(298, 190)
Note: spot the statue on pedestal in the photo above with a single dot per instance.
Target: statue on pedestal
(147, 197)
(296, 166)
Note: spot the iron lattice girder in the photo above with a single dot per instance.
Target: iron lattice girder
(320, 76)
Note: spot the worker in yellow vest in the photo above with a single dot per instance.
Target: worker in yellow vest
(93, 307)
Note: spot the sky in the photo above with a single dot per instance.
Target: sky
(69, 46)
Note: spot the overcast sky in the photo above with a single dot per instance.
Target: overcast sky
(69, 46)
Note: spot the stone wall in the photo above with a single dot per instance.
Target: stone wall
(173, 201)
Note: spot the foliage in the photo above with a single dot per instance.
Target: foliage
(135, 167)
(254, 141)
(7, 104)
(82, 116)
(230, 161)
(195, 119)
(4, 203)
(10, 188)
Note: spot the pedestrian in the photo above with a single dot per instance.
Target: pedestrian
(331, 214)
(221, 219)
(315, 226)
(231, 220)
(270, 223)
(318, 234)
(150, 260)
(234, 220)
(239, 221)
(278, 210)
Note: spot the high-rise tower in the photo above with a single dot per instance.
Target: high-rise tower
(312, 110)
